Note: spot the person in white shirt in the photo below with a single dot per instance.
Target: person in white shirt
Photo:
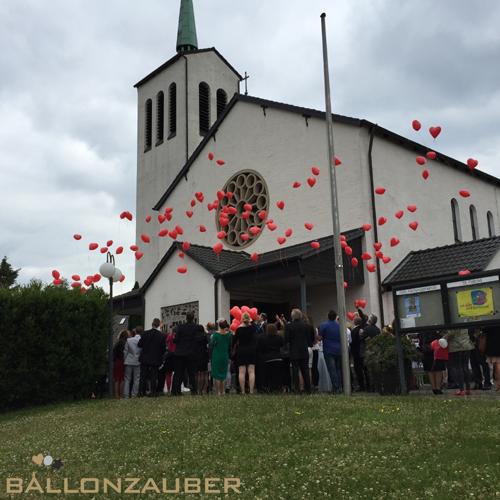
(131, 355)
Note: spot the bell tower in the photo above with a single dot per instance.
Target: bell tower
(177, 104)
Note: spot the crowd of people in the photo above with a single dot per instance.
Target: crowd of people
(284, 356)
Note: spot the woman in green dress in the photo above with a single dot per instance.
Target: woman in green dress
(220, 343)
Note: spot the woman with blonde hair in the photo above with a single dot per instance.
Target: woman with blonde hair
(245, 349)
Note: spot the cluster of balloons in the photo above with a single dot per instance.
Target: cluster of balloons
(237, 312)
(76, 283)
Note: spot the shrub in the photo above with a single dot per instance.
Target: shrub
(52, 344)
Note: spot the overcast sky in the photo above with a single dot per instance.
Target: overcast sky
(68, 106)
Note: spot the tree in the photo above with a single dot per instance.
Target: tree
(8, 275)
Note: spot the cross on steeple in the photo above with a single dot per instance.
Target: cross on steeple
(186, 33)
(245, 80)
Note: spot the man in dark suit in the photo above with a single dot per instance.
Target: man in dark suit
(300, 336)
(187, 342)
(153, 346)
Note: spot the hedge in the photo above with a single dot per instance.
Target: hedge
(52, 344)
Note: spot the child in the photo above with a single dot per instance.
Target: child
(440, 349)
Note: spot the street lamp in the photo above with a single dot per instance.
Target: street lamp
(108, 270)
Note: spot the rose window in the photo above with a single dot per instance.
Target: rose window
(239, 214)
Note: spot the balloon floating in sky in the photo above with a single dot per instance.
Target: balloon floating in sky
(281, 240)
(145, 238)
(93, 246)
(371, 267)
(182, 270)
(412, 208)
(464, 272)
(311, 181)
(366, 227)
(394, 241)
(382, 220)
(338, 161)
(377, 246)
(416, 125)
(399, 214)
(472, 163)
(210, 156)
(420, 160)
(280, 204)
(413, 225)
(217, 248)
(315, 170)
(119, 250)
(431, 155)
(308, 226)
(315, 245)
(138, 255)
(425, 174)
(434, 131)
(254, 257)
(220, 162)
(288, 232)
(296, 185)
(77, 236)
(380, 190)
(464, 193)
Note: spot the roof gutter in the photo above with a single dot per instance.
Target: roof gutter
(374, 220)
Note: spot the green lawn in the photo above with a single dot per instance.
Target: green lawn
(279, 446)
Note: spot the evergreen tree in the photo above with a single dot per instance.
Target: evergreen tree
(8, 275)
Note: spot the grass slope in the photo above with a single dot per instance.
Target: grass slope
(280, 446)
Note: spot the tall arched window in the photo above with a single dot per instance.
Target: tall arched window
(221, 101)
(491, 224)
(204, 105)
(473, 222)
(455, 215)
(160, 117)
(148, 125)
(172, 110)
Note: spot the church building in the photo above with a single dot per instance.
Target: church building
(236, 214)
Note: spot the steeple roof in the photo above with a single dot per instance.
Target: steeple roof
(186, 33)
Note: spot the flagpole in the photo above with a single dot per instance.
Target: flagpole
(339, 267)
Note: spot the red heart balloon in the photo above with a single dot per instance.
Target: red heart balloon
(381, 221)
(315, 170)
(210, 156)
(280, 204)
(104, 249)
(350, 315)
(281, 240)
(361, 303)
(315, 245)
(93, 246)
(354, 262)
(221, 235)
(425, 174)
(138, 255)
(229, 195)
(288, 232)
(413, 225)
(246, 215)
(308, 226)
(161, 218)
(394, 241)
(342, 237)
(77, 236)
(366, 256)
(186, 245)
(379, 254)
(412, 208)
(311, 181)
(348, 250)
(386, 259)
(220, 162)
(122, 278)
(145, 238)
(434, 131)
(366, 227)
(254, 230)
(56, 274)
(464, 193)
(254, 257)
(399, 214)
(148, 219)
(420, 160)
(119, 250)
(380, 190)
(431, 155)
(338, 161)
(134, 248)
(464, 272)
(416, 125)
(262, 214)
(179, 230)
(245, 237)
(75, 277)
(271, 226)
(296, 185)
(371, 267)
(199, 196)
(109, 243)
(163, 232)
(189, 213)
(182, 270)
(193, 203)
(203, 229)
(377, 246)
(472, 163)
(96, 277)
(220, 195)
(217, 248)
(345, 284)
(173, 234)
(247, 207)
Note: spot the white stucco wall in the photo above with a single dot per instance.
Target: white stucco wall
(171, 288)
(157, 167)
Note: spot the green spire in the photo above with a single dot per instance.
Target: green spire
(186, 34)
